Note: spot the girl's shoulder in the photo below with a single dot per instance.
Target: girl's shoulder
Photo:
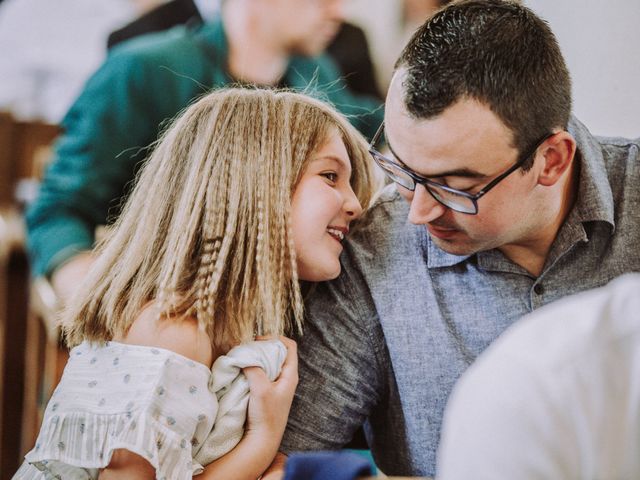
(181, 335)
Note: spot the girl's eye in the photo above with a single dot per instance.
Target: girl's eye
(331, 176)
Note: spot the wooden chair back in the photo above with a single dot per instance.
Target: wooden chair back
(25, 340)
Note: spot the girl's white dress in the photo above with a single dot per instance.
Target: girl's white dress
(174, 412)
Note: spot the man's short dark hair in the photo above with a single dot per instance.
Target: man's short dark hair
(497, 52)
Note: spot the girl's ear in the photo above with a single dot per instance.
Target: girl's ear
(558, 151)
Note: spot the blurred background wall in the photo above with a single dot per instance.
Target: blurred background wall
(600, 41)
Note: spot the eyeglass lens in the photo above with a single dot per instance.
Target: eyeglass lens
(449, 199)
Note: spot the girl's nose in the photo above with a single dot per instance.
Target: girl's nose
(352, 205)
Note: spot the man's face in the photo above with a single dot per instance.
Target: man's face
(308, 26)
(465, 147)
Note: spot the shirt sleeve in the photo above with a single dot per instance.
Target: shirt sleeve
(341, 367)
(94, 160)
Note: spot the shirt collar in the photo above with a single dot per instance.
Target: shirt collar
(595, 200)
(437, 258)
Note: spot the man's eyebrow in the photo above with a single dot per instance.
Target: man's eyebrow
(457, 172)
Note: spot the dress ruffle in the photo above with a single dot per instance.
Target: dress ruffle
(58, 447)
(150, 401)
(170, 410)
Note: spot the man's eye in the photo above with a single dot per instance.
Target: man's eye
(457, 185)
(331, 176)
(440, 181)
(465, 188)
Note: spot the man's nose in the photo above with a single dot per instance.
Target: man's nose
(423, 208)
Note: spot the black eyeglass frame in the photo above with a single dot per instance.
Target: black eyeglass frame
(418, 179)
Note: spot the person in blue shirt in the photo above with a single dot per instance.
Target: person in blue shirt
(144, 83)
(501, 203)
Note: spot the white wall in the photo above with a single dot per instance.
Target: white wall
(600, 40)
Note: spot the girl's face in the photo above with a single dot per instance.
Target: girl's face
(322, 207)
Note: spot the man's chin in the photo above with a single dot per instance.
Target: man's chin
(311, 49)
(454, 247)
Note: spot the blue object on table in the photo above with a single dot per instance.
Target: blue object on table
(326, 466)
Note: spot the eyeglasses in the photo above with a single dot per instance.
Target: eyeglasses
(457, 200)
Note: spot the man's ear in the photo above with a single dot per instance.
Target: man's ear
(558, 153)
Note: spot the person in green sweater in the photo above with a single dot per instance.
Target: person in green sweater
(147, 81)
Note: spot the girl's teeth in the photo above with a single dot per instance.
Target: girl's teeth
(336, 233)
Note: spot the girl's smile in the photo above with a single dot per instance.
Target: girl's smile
(322, 207)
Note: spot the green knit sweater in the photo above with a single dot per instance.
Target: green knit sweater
(144, 83)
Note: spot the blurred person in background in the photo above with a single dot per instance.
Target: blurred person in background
(349, 49)
(147, 81)
(165, 16)
(415, 12)
(401, 20)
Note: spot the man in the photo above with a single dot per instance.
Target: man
(557, 396)
(149, 80)
(504, 203)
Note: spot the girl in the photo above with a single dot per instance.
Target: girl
(246, 194)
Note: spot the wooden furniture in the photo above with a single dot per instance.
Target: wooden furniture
(13, 312)
(24, 151)
(28, 366)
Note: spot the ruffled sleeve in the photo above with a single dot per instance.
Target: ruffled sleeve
(150, 401)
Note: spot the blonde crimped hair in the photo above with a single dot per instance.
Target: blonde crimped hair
(206, 230)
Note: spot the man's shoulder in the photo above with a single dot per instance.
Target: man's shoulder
(382, 235)
(386, 217)
(621, 153)
(172, 67)
(615, 151)
(621, 162)
(618, 141)
(176, 44)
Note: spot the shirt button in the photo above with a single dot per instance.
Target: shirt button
(538, 289)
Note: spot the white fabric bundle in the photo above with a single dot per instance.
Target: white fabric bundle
(231, 387)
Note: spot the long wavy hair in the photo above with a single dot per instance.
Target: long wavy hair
(206, 230)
